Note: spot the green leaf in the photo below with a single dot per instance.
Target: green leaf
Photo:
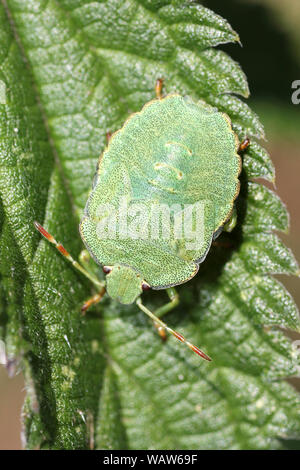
(70, 71)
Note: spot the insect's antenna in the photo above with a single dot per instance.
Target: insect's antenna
(173, 332)
(67, 255)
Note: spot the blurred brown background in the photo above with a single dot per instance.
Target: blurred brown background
(270, 58)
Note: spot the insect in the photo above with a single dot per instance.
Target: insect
(165, 187)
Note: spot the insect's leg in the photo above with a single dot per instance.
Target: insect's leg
(84, 259)
(244, 145)
(67, 255)
(174, 301)
(173, 332)
(93, 300)
(158, 88)
(229, 226)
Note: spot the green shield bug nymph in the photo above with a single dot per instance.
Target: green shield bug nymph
(165, 187)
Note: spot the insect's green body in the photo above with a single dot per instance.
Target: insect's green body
(174, 152)
(175, 158)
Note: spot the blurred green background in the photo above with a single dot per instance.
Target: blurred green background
(270, 57)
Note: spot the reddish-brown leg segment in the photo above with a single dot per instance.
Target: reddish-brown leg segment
(174, 301)
(158, 88)
(244, 145)
(93, 300)
(100, 285)
(177, 335)
(161, 331)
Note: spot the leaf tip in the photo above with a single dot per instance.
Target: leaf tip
(237, 39)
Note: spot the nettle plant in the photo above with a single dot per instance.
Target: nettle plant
(70, 72)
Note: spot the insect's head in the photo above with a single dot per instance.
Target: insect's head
(123, 283)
